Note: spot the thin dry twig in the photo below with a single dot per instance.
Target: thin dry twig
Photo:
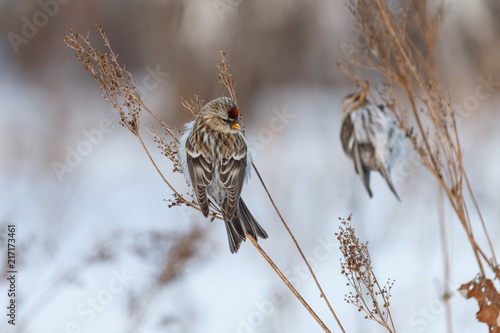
(446, 258)
(225, 76)
(322, 294)
(118, 88)
(193, 106)
(289, 285)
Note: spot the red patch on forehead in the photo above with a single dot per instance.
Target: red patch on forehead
(351, 95)
(233, 113)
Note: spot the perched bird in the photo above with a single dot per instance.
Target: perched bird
(371, 138)
(216, 162)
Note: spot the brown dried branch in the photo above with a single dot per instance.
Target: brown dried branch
(288, 284)
(322, 294)
(193, 106)
(225, 76)
(118, 88)
(401, 49)
(368, 296)
(446, 296)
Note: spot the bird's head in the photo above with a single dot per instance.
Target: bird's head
(352, 102)
(221, 114)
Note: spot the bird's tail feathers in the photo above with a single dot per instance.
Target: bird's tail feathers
(365, 177)
(239, 225)
(387, 176)
(361, 170)
(251, 225)
(235, 233)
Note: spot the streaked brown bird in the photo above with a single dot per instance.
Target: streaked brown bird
(371, 138)
(216, 162)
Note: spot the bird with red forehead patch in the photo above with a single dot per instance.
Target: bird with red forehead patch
(371, 137)
(216, 161)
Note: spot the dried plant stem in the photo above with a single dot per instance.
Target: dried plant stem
(356, 266)
(177, 195)
(390, 328)
(414, 109)
(434, 168)
(446, 257)
(495, 262)
(402, 50)
(285, 280)
(374, 294)
(156, 167)
(323, 295)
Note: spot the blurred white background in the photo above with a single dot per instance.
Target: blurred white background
(93, 241)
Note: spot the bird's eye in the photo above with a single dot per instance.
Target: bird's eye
(224, 120)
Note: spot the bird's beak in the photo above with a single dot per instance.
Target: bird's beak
(235, 126)
(362, 96)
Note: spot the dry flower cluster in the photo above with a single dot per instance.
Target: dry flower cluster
(118, 88)
(368, 296)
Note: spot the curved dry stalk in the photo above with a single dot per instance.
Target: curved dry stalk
(176, 194)
(495, 262)
(446, 257)
(323, 295)
(434, 167)
(289, 285)
(225, 76)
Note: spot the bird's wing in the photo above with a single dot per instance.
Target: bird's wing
(378, 131)
(232, 175)
(373, 126)
(201, 172)
(362, 170)
(370, 124)
(387, 178)
(182, 150)
(354, 150)
(347, 136)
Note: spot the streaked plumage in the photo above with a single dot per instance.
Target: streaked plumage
(371, 138)
(216, 162)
